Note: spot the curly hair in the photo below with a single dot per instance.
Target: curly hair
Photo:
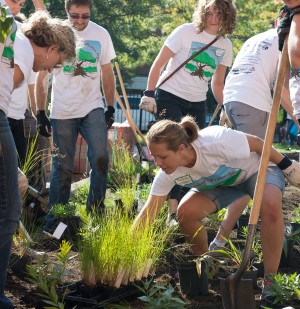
(172, 133)
(226, 9)
(45, 31)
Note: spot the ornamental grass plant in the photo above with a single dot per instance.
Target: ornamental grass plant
(112, 253)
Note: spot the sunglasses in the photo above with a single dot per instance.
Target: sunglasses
(75, 16)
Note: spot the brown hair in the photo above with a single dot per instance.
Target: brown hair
(226, 9)
(45, 31)
(172, 133)
(69, 3)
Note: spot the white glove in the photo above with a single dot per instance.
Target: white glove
(148, 104)
(224, 120)
(292, 174)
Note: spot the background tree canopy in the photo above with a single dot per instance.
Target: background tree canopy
(139, 27)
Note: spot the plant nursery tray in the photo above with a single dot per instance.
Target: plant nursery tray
(97, 296)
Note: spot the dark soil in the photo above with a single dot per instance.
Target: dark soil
(22, 292)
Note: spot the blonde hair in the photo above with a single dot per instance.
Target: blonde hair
(45, 31)
(172, 133)
(226, 9)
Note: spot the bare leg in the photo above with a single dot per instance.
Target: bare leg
(233, 213)
(272, 228)
(193, 208)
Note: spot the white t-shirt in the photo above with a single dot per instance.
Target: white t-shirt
(76, 87)
(19, 97)
(223, 158)
(6, 67)
(254, 71)
(294, 85)
(191, 81)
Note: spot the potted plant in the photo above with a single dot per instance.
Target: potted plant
(295, 220)
(243, 220)
(212, 224)
(284, 290)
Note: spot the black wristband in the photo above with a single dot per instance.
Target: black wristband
(40, 112)
(110, 109)
(284, 163)
(149, 93)
(222, 107)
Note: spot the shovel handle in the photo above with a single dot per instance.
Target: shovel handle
(265, 156)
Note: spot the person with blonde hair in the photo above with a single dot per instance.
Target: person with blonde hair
(43, 44)
(219, 166)
(185, 92)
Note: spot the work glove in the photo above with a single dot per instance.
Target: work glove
(224, 120)
(292, 174)
(148, 102)
(43, 123)
(109, 116)
(284, 23)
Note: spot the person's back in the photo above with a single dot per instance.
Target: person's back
(254, 71)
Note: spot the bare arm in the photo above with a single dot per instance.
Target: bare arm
(217, 83)
(161, 60)
(256, 145)
(108, 83)
(294, 42)
(150, 210)
(38, 5)
(41, 89)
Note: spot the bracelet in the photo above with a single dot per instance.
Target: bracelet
(222, 107)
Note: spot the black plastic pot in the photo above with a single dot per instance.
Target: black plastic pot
(190, 283)
(242, 222)
(98, 296)
(286, 253)
(251, 274)
(295, 226)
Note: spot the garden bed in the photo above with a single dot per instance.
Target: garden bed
(22, 293)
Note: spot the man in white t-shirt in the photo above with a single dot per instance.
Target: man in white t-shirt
(77, 107)
(248, 101)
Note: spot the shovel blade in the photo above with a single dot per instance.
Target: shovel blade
(237, 293)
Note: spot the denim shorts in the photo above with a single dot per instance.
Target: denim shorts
(224, 196)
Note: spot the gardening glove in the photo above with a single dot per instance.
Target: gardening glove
(292, 174)
(148, 102)
(43, 123)
(109, 116)
(284, 24)
(224, 121)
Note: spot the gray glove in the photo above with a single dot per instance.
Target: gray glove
(148, 102)
(292, 174)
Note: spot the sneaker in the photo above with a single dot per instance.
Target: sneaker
(172, 220)
(48, 234)
(292, 174)
(216, 251)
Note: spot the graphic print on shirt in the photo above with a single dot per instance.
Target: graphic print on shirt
(223, 177)
(251, 59)
(7, 37)
(86, 62)
(204, 64)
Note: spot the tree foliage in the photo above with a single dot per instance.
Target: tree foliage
(139, 27)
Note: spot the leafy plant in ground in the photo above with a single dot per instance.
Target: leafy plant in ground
(284, 288)
(64, 210)
(213, 220)
(46, 276)
(159, 296)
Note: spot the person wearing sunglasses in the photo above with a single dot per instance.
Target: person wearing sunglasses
(77, 107)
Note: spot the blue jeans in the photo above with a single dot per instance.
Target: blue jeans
(10, 201)
(65, 132)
